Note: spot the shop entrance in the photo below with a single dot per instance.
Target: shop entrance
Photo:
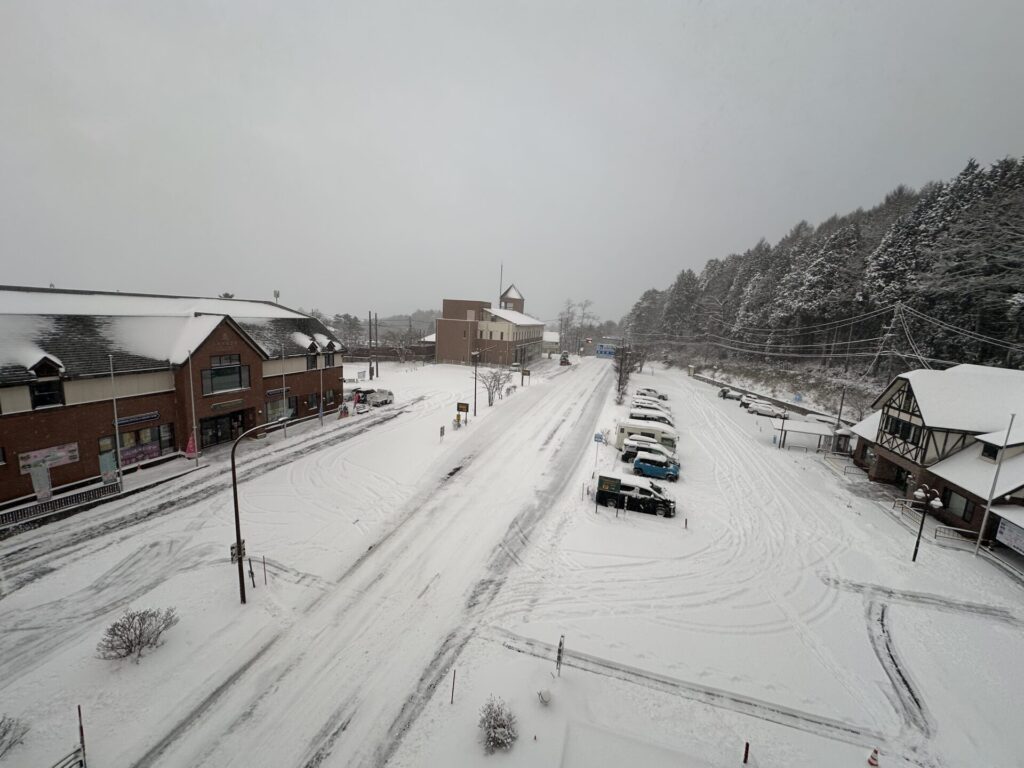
(221, 429)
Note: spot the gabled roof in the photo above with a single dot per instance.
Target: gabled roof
(967, 469)
(965, 398)
(551, 336)
(512, 293)
(511, 316)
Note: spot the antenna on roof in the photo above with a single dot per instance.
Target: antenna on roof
(277, 295)
(501, 281)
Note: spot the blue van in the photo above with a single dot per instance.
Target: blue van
(655, 465)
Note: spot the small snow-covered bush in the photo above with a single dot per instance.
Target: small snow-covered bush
(498, 724)
(12, 733)
(134, 632)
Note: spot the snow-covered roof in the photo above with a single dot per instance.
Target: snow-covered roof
(803, 427)
(1011, 512)
(968, 398)
(430, 338)
(971, 472)
(15, 300)
(639, 425)
(551, 336)
(1016, 434)
(511, 316)
(141, 332)
(867, 429)
(512, 293)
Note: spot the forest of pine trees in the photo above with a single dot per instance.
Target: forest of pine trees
(931, 278)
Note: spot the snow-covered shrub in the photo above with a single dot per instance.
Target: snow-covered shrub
(134, 632)
(498, 724)
(12, 733)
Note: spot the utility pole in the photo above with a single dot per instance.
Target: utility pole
(376, 334)
(369, 340)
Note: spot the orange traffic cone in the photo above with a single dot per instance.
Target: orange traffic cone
(873, 757)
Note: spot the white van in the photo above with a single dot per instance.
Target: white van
(664, 434)
(649, 414)
(381, 397)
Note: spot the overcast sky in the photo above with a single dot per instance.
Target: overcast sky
(383, 156)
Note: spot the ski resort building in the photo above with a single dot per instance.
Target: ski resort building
(502, 336)
(177, 369)
(946, 429)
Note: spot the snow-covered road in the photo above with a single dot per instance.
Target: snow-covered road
(778, 607)
(385, 546)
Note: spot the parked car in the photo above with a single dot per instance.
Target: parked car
(653, 465)
(380, 397)
(746, 400)
(761, 408)
(648, 402)
(516, 367)
(648, 392)
(360, 393)
(641, 495)
(564, 359)
(362, 408)
(664, 434)
(729, 394)
(637, 444)
(649, 414)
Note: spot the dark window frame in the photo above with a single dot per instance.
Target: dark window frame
(46, 399)
(311, 361)
(990, 451)
(328, 359)
(236, 376)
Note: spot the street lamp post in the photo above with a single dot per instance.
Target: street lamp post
(929, 498)
(234, 491)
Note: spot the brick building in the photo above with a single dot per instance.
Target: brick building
(176, 364)
(502, 335)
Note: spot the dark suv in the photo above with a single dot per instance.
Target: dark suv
(640, 495)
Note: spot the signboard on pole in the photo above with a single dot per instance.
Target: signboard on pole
(462, 407)
(608, 484)
(599, 437)
(41, 482)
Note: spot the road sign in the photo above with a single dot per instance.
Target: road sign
(526, 371)
(608, 484)
(462, 407)
(442, 431)
(599, 437)
(234, 551)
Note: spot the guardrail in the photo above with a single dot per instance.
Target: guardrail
(959, 534)
(43, 508)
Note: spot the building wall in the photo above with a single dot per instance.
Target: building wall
(459, 309)
(456, 340)
(15, 399)
(82, 424)
(77, 391)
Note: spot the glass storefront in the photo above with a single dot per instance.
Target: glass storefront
(140, 444)
(221, 429)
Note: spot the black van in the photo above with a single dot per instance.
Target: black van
(640, 495)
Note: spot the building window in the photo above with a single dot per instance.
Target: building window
(141, 444)
(328, 359)
(3, 457)
(224, 361)
(225, 377)
(311, 401)
(989, 451)
(311, 362)
(329, 397)
(490, 335)
(502, 336)
(47, 393)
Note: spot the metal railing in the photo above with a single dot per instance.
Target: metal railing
(43, 508)
(74, 759)
(958, 534)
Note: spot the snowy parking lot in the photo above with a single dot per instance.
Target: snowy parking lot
(778, 607)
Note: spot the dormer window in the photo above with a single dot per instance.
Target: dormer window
(47, 393)
(328, 359)
(311, 361)
(989, 451)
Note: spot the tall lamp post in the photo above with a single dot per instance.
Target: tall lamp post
(234, 491)
(929, 498)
